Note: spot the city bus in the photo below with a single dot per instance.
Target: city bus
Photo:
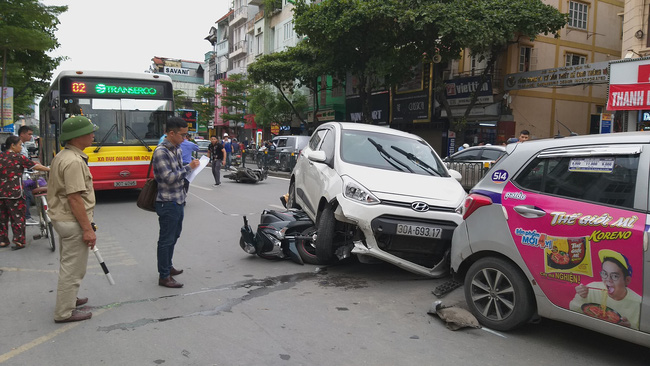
(131, 111)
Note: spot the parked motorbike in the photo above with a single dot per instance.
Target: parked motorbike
(281, 234)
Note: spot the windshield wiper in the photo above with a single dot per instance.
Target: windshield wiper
(417, 161)
(384, 154)
(114, 126)
(138, 137)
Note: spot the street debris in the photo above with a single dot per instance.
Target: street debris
(454, 316)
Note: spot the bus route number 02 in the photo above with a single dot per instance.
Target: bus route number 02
(78, 87)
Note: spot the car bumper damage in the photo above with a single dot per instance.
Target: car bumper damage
(417, 243)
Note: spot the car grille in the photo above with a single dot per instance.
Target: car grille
(408, 205)
(423, 251)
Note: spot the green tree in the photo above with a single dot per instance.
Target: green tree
(485, 27)
(205, 108)
(234, 98)
(268, 106)
(361, 37)
(26, 35)
(380, 40)
(181, 100)
(290, 70)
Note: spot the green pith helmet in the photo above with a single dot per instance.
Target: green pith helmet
(76, 126)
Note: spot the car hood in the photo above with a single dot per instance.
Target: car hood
(408, 187)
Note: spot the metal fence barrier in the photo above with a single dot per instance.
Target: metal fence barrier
(275, 161)
(471, 172)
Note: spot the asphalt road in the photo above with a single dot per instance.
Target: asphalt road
(238, 309)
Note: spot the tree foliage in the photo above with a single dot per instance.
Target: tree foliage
(27, 30)
(268, 106)
(234, 98)
(205, 108)
(290, 70)
(379, 40)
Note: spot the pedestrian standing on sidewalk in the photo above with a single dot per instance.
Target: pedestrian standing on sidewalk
(217, 154)
(12, 194)
(71, 199)
(227, 145)
(170, 173)
(187, 148)
(25, 133)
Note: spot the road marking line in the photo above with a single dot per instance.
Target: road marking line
(42, 339)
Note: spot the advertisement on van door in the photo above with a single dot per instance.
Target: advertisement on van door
(585, 257)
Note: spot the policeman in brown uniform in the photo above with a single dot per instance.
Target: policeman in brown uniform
(71, 198)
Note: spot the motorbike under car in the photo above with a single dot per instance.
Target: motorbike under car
(280, 235)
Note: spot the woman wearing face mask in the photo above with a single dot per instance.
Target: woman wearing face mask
(12, 197)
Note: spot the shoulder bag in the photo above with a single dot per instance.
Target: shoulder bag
(147, 197)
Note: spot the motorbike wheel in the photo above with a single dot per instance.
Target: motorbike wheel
(284, 164)
(306, 247)
(291, 201)
(326, 232)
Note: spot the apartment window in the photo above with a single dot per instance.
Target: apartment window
(525, 55)
(574, 59)
(578, 15)
(476, 65)
(287, 31)
(259, 41)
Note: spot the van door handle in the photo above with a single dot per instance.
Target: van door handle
(529, 212)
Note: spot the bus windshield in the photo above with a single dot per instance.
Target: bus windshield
(123, 121)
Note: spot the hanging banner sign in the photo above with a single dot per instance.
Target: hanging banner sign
(623, 97)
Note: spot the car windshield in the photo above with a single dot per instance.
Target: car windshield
(390, 152)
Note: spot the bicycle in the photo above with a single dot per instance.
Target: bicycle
(40, 196)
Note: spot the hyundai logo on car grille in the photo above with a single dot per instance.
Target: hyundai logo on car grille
(125, 173)
(420, 206)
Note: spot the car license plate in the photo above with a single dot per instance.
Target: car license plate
(415, 230)
(125, 183)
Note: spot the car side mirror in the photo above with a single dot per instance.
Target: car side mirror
(455, 174)
(317, 156)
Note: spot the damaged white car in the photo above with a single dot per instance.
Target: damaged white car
(377, 192)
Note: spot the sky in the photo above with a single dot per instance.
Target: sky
(123, 35)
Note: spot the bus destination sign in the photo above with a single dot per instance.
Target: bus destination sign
(109, 87)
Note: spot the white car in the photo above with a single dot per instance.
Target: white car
(377, 192)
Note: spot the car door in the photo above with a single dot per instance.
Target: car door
(578, 219)
(305, 176)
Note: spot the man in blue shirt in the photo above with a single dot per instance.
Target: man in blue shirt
(227, 144)
(187, 148)
(170, 174)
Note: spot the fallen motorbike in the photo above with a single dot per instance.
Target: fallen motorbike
(247, 175)
(280, 235)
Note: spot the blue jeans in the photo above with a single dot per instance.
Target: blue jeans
(170, 219)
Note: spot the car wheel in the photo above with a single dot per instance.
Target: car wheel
(306, 247)
(291, 201)
(498, 294)
(325, 238)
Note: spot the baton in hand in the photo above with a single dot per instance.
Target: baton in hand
(101, 263)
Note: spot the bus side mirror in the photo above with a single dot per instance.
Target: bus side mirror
(55, 107)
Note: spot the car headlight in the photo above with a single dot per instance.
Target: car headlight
(355, 191)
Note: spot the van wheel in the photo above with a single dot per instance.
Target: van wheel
(325, 238)
(498, 294)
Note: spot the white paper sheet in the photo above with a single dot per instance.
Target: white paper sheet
(202, 163)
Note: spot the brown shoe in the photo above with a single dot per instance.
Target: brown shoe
(169, 282)
(81, 301)
(175, 272)
(75, 317)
